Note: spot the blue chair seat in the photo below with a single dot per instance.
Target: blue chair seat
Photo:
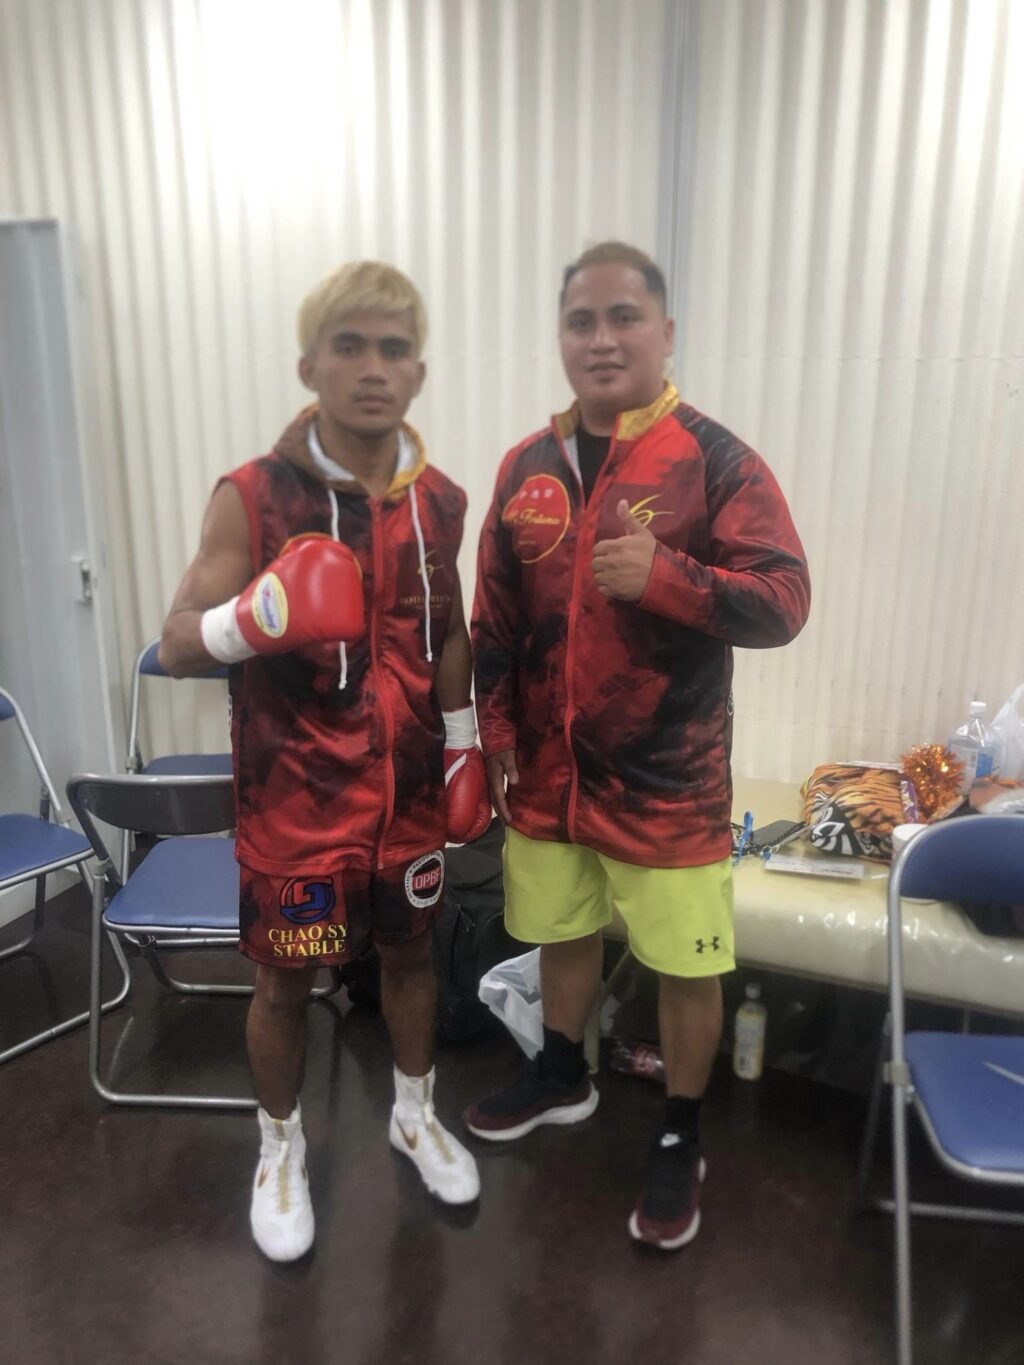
(28, 843)
(972, 1088)
(180, 884)
(188, 765)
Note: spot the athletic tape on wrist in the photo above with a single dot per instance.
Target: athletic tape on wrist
(460, 728)
(221, 635)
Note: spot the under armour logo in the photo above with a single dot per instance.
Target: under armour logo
(714, 945)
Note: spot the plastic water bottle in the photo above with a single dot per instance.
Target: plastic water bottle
(748, 1046)
(634, 1059)
(976, 747)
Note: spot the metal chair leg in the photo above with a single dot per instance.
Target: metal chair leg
(957, 1213)
(901, 1200)
(126, 854)
(152, 956)
(37, 921)
(325, 992)
(137, 1099)
(151, 952)
(963, 1213)
(77, 1020)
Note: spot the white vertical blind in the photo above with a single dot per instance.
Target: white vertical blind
(854, 310)
(217, 157)
(854, 225)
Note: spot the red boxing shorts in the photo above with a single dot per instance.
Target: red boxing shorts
(325, 919)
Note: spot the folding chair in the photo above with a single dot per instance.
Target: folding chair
(31, 847)
(148, 665)
(184, 893)
(967, 1089)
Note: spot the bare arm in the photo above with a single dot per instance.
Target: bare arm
(220, 571)
(455, 671)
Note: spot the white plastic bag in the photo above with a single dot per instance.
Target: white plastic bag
(511, 990)
(1008, 727)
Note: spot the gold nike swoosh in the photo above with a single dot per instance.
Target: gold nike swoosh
(410, 1142)
(263, 1177)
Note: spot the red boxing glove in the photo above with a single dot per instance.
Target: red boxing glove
(311, 593)
(465, 779)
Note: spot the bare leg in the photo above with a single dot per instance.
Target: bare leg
(690, 1016)
(409, 1002)
(570, 977)
(276, 1035)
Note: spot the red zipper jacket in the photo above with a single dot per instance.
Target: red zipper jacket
(620, 713)
(330, 775)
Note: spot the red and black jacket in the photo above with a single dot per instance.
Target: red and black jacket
(620, 713)
(331, 773)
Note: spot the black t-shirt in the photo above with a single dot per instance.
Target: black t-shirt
(592, 451)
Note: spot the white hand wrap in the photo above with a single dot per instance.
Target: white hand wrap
(460, 728)
(221, 636)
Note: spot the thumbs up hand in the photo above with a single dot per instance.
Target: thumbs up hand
(622, 566)
(632, 526)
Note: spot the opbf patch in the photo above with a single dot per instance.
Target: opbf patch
(305, 900)
(424, 880)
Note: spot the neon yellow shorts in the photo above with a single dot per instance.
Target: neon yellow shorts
(679, 919)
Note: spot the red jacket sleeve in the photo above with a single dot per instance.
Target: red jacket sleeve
(494, 630)
(755, 591)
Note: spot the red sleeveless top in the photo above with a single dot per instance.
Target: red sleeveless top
(343, 765)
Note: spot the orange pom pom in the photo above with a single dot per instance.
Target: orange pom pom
(936, 776)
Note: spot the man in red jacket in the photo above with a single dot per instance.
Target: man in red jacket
(629, 546)
(326, 579)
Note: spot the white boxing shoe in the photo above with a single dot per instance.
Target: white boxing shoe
(281, 1214)
(446, 1168)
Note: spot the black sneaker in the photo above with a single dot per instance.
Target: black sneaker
(528, 1102)
(667, 1215)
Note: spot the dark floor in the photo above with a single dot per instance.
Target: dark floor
(124, 1236)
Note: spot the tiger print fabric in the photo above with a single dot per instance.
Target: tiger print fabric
(853, 810)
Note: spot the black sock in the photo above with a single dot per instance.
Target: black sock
(682, 1116)
(561, 1059)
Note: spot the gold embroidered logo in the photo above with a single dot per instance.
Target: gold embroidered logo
(538, 516)
(644, 513)
(437, 599)
(410, 1142)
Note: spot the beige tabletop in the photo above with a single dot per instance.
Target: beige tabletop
(835, 929)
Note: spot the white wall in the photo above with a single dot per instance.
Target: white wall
(218, 157)
(853, 308)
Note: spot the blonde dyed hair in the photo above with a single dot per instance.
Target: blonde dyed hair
(360, 287)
